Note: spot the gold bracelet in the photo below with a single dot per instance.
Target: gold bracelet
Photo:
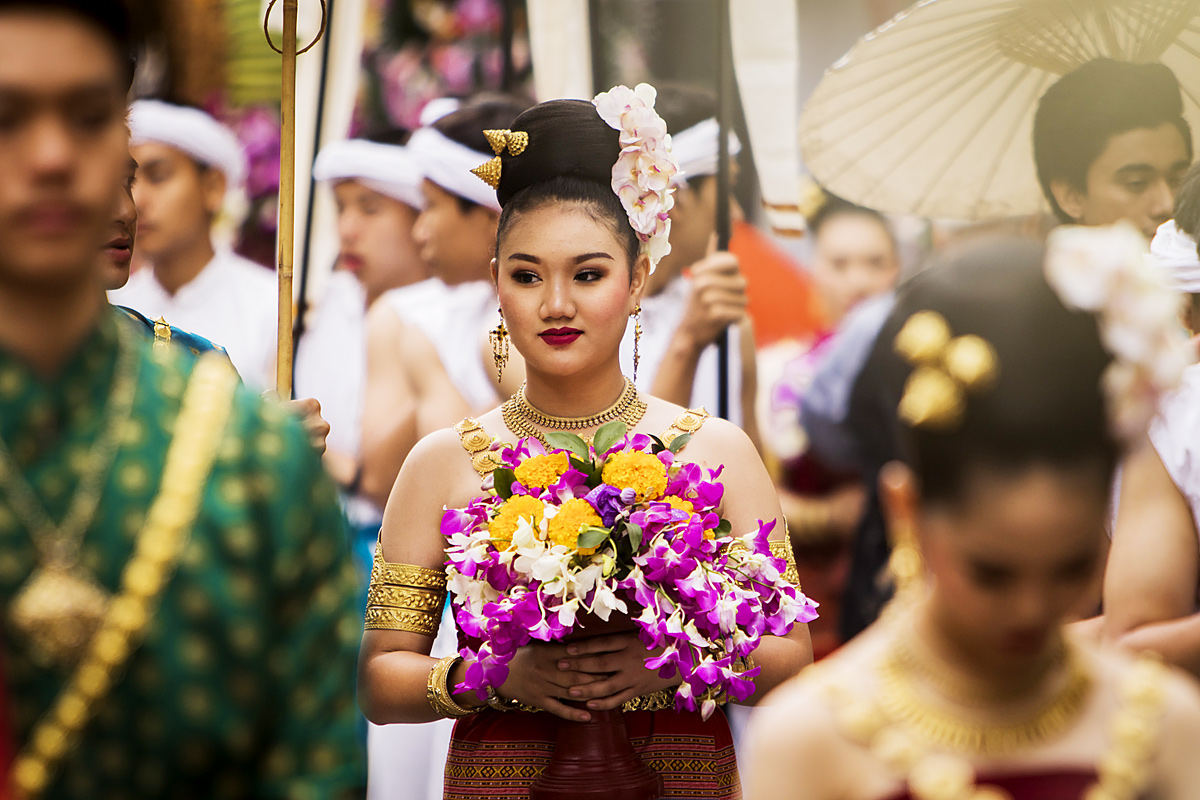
(437, 691)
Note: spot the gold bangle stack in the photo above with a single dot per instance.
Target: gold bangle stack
(438, 692)
(783, 549)
(404, 597)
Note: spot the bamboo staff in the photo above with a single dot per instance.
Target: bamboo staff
(724, 180)
(287, 185)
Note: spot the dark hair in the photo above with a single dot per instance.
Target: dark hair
(112, 18)
(1187, 202)
(835, 207)
(683, 106)
(569, 159)
(1046, 406)
(1078, 115)
(394, 136)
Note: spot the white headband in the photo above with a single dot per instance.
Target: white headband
(448, 164)
(1175, 251)
(695, 149)
(437, 108)
(191, 130)
(385, 168)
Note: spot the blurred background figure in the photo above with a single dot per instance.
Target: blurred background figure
(188, 165)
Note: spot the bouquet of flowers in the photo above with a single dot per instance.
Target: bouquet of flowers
(569, 529)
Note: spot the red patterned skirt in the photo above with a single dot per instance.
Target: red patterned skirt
(499, 754)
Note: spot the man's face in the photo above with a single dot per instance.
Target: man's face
(457, 245)
(1135, 179)
(176, 200)
(375, 238)
(118, 249)
(62, 148)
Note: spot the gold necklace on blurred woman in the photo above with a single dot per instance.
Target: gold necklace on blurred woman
(526, 420)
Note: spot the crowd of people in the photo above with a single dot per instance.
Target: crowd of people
(970, 467)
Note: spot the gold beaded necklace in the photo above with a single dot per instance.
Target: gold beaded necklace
(525, 419)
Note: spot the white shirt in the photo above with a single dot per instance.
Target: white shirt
(232, 301)
(1175, 434)
(661, 315)
(454, 319)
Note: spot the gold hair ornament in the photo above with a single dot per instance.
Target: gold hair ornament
(946, 370)
(514, 142)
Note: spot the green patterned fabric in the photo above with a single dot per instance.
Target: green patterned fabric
(244, 684)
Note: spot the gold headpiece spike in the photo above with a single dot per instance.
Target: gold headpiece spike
(932, 399)
(489, 172)
(923, 338)
(517, 141)
(497, 139)
(972, 361)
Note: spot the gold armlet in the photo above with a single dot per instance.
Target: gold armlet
(783, 549)
(438, 692)
(404, 597)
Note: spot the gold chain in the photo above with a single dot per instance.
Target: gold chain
(58, 545)
(900, 701)
(202, 418)
(524, 419)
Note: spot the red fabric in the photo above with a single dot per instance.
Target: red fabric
(1058, 785)
(497, 754)
(783, 302)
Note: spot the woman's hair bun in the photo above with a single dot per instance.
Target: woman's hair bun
(566, 138)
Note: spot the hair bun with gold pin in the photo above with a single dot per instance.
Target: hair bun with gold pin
(947, 369)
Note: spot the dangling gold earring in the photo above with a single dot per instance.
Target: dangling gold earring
(637, 337)
(498, 336)
(906, 565)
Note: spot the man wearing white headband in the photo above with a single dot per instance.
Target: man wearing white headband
(188, 165)
(1153, 575)
(377, 189)
(425, 360)
(696, 292)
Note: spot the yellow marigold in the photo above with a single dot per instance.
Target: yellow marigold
(633, 469)
(504, 524)
(681, 504)
(541, 471)
(572, 517)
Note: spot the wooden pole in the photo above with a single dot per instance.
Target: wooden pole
(724, 180)
(287, 201)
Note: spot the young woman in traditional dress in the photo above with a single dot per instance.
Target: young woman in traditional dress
(570, 270)
(1013, 415)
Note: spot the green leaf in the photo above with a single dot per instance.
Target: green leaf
(679, 441)
(503, 478)
(608, 435)
(588, 468)
(656, 444)
(635, 535)
(568, 441)
(724, 527)
(592, 537)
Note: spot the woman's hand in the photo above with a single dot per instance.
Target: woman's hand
(614, 668)
(535, 678)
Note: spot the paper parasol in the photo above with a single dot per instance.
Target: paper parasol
(932, 113)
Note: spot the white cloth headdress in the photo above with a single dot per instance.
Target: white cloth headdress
(696, 150)
(385, 168)
(437, 108)
(448, 164)
(1175, 252)
(196, 133)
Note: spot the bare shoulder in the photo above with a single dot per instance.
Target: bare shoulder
(709, 433)
(382, 318)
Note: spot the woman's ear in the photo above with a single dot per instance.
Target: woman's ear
(638, 280)
(899, 497)
(495, 267)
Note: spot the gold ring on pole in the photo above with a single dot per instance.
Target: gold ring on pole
(317, 38)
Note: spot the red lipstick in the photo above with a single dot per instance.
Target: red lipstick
(560, 337)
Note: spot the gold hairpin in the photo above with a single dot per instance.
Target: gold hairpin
(500, 140)
(947, 369)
